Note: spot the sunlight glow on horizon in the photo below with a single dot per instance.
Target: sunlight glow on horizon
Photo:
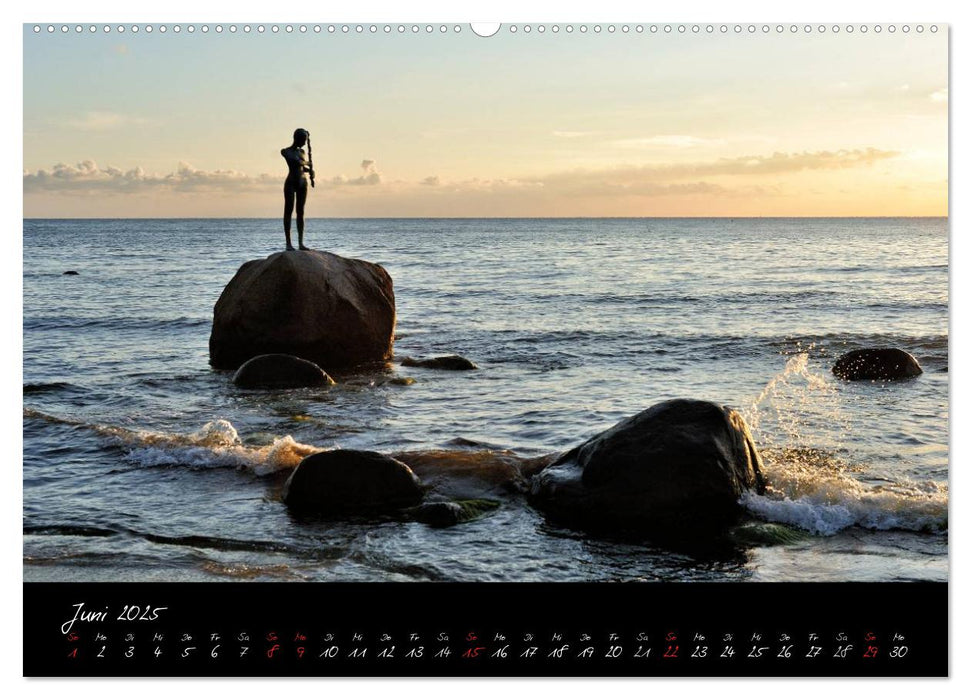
(457, 126)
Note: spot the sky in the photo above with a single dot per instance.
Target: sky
(454, 125)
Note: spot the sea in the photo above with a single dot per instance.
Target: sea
(142, 463)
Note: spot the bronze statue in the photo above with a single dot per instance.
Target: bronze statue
(301, 164)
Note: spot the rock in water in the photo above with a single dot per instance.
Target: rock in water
(280, 372)
(678, 467)
(330, 310)
(341, 482)
(453, 362)
(448, 513)
(463, 474)
(877, 363)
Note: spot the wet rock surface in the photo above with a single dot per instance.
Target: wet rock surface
(334, 311)
(877, 364)
(681, 464)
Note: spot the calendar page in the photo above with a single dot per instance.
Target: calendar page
(515, 349)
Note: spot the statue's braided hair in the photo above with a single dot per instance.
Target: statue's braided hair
(310, 159)
(310, 152)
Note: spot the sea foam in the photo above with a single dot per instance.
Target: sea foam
(828, 509)
(216, 444)
(810, 487)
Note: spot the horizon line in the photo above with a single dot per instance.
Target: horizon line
(461, 218)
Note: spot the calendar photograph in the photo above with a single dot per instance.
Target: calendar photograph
(615, 303)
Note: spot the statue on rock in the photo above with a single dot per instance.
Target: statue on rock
(301, 164)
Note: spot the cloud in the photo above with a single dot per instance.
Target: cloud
(643, 188)
(732, 177)
(88, 176)
(369, 176)
(939, 95)
(690, 178)
(102, 121)
(576, 185)
(476, 184)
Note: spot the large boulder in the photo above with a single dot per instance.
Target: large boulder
(330, 310)
(280, 372)
(343, 482)
(677, 467)
(876, 364)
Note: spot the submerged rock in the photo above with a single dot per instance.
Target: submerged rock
(876, 363)
(462, 474)
(280, 372)
(679, 466)
(346, 482)
(71, 272)
(330, 310)
(448, 513)
(453, 362)
(755, 534)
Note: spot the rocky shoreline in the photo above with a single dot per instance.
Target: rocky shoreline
(683, 464)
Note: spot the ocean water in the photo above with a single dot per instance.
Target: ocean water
(143, 463)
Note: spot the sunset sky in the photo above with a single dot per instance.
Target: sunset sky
(167, 125)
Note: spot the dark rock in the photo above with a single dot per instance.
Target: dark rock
(448, 513)
(442, 514)
(341, 482)
(681, 465)
(454, 362)
(330, 310)
(71, 272)
(876, 363)
(280, 372)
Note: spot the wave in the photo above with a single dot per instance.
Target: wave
(34, 414)
(237, 570)
(215, 444)
(48, 387)
(822, 342)
(883, 269)
(57, 323)
(571, 347)
(222, 544)
(798, 405)
(804, 298)
(69, 530)
(811, 488)
(825, 499)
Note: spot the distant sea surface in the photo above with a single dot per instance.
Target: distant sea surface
(143, 463)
